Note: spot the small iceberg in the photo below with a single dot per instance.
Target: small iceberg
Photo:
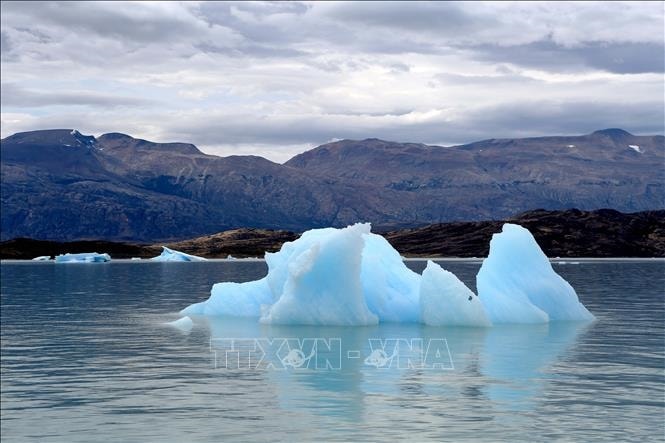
(350, 276)
(85, 257)
(169, 254)
(185, 324)
(42, 258)
(445, 300)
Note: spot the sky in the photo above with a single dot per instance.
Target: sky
(277, 78)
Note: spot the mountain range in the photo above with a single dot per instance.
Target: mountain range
(62, 185)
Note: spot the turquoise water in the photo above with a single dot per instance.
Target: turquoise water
(86, 356)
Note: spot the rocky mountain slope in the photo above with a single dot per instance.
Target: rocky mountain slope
(62, 185)
(500, 177)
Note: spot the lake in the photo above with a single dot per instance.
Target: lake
(86, 356)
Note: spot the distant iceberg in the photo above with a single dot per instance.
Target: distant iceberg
(351, 276)
(85, 257)
(42, 258)
(173, 255)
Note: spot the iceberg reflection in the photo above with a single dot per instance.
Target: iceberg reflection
(331, 369)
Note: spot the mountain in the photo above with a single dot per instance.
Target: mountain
(500, 177)
(570, 233)
(62, 185)
(58, 185)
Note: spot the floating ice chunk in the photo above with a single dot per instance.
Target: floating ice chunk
(245, 299)
(352, 277)
(173, 255)
(184, 324)
(135, 258)
(390, 288)
(42, 258)
(85, 257)
(516, 282)
(445, 300)
(235, 299)
(322, 284)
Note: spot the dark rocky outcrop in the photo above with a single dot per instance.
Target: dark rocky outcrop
(571, 233)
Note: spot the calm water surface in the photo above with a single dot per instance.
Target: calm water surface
(86, 356)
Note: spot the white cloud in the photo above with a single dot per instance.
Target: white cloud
(273, 78)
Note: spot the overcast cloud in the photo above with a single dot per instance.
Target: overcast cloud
(276, 78)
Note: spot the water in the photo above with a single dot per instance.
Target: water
(86, 356)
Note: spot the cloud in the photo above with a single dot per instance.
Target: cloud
(17, 97)
(275, 76)
(621, 58)
(136, 22)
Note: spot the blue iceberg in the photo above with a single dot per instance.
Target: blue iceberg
(517, 284)
(310, 293)
(234, 299)
(445, 300)
(350, 276)
(85, 257)
(173, 255)
(390, 288)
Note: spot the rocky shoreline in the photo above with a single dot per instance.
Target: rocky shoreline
(570, 233)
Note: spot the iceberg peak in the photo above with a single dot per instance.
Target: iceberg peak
(517, 283)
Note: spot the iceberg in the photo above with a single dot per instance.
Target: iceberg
(350, 276)
(234, 299)
(85, 257)
(303, 284)
(169, 254)
(42, 258)
(517, 284)
(390, 288)
(322, 281)
(446, 301)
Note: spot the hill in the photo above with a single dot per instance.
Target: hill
(571, 233)
(61, 185)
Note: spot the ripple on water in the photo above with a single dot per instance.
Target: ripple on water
(85, 353)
